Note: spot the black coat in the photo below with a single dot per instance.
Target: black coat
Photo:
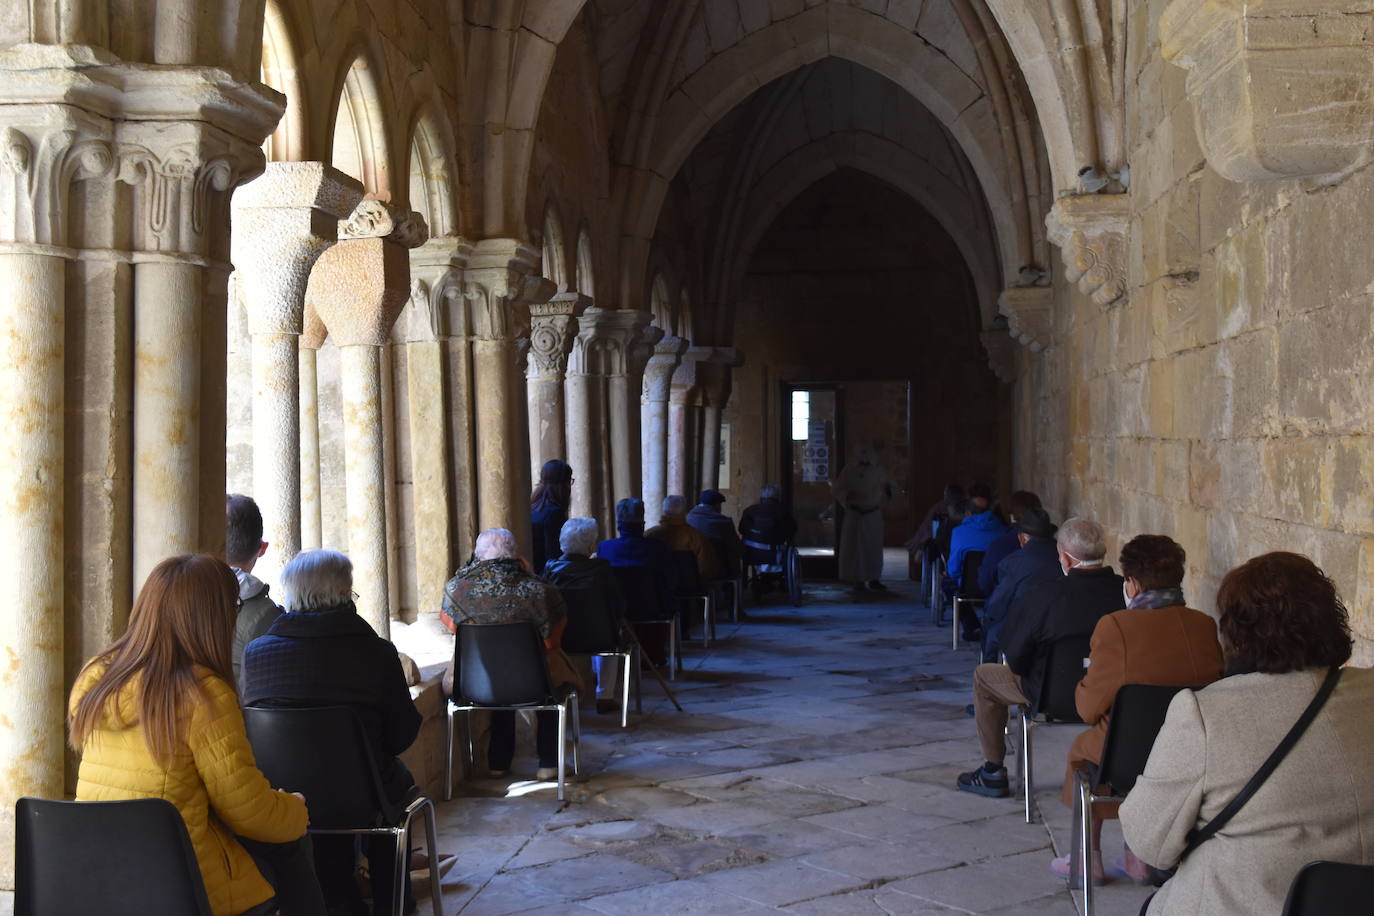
(335, 658)
(1069, 606)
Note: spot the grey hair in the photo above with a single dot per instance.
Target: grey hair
(316, 580)
(770, 491)
(578, 535)
(1082, 539)
(674, 505)
(495, 544)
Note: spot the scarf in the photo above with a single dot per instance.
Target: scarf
(1158, 597)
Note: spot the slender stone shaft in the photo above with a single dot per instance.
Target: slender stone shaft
(584, 394)
(32, 700)
(277, 455)
(501, 443)
(658, 375)
(365, 481)
(167, 327)
(312, 520)
(710, 448)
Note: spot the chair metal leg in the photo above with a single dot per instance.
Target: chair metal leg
(472, 745)
(639, 680)
(448, 764)
(1085, 833)
(576, 736)
(436, 894)
(401, 836)
(706, 622)
(673, 649)
(739, 600)
(954, 626)
(1026, 765)
(562, 741)
(626, 659)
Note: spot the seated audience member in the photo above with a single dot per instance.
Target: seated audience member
(674, 532)
(925, 532)
(980, 527)
(1283, 629)
(576, 568)
(321, 653)
(1006, 543)
(243, 547)
(498, 587)
(719, 529)
(549, 510)
(1035, 562)
(1069, 606)
(632, 549)
(156, 715)
(1156, 640)
(765, 526)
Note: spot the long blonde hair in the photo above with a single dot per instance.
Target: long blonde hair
(184, 616)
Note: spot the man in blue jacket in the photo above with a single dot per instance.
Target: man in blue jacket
(1036, 561)
(975, 532)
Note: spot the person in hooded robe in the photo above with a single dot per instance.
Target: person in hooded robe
(863, 489)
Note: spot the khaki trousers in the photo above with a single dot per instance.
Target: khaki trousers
(994, 689)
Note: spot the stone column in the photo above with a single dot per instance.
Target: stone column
(358, 288)
(585, 390)
(43, 150)
(438, 366)
(282, 221)
(500, 281)
(684, 408)
(312, 508)
(635, 341)
(180, 173)
(716, 376)
(553, 325)
(658, 378)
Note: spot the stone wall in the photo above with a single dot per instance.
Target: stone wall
(1227, 401)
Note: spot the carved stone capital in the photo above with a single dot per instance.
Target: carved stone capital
(377, 219)
(357, 289)
(1001, 350)
(1029, 311)
(608, 342)
(43, 150)
(500, 282)
(437, 308)
(296, 206)
(1091, 232)
(553, 328)
(181, 173)
(661, 366)
(1280, 90)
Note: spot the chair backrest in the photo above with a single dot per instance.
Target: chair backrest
(1064, 668)
(77, 857)
(639, 585)
(686, 576)
(968, 576)
(501, 664)
(944, 538)
(592, 625)
(1331, 889)
(324, 753)
(1137, 716)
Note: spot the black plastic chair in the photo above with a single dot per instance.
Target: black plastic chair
(1068, 659)
(969, 592)
(645, 604)
(1138, 713)
(1331, 889)
(688, 586)
(593, 629)
(75, 857)
(324, 753)
(503, 666)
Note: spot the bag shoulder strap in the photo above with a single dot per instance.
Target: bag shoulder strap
(1199, 835)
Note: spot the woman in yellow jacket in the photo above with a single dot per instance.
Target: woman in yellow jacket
(156, 716)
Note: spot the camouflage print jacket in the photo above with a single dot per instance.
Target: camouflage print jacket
(500, 591)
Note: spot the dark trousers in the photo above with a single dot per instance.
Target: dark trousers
(336, 856)
(501, 748)
(287, 867)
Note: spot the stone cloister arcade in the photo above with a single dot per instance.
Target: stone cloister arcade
(373, 263)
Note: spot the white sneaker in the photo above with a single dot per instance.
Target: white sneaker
(544, 774)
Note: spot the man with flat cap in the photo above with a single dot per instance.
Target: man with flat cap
(1036, 561)
(719, 529)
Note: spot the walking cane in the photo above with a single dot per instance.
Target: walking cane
(629, 631)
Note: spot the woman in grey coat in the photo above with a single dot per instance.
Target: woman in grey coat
(1282, 629)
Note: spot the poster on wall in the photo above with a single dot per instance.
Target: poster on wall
(816, 453)
(724, 478)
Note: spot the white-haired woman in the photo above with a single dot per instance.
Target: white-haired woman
(321, 653)
(498, 587)
(577, 569)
